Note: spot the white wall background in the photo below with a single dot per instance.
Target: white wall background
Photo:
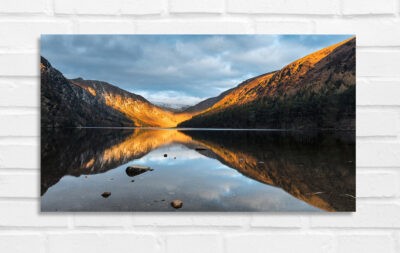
(374, 228)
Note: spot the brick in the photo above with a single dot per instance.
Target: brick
(19, 185)
(22, 6)
(106, 27)
(378, 154)
(377, 123)
(378, 92)
(283, 27)
(26, 34)
(279, 243)
(20, 125)
(191, 27)
(21, 64)
(148, 219)
(87, 7)
(232, 220)
(102, 242)
(21, 243)
(378, 63)
(377, 184)
(10, 156)
(283, 7)
(368, 215)
(276, 220)
(27, 214)
(365, 243)
(165, 219)
(200, 6)
(101, 220)
(193, 243)
(28, 93)
(107, 7)
(364, 7)
(142, 7)
(370, 32)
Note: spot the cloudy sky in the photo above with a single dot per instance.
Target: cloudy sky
(176, 69)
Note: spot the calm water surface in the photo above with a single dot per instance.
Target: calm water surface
(209, 170)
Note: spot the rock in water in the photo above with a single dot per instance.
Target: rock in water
(135, 170)
(177, 203)
(200, 149)
(106, 194)
(165, 155)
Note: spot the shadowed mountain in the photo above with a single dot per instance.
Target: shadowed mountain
(84, 103)
(316, 91)
(64, 104)
(316, 168)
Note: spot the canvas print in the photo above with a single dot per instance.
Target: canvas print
(249, 123)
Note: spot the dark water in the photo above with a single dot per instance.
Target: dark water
(209, 170)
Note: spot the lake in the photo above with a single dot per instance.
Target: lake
(207, 169)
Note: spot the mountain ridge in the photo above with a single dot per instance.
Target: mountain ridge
(315, 91)
(65, 105)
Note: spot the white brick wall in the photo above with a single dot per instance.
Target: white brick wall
(374, 228)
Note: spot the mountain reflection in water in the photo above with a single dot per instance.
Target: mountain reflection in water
(209, 170)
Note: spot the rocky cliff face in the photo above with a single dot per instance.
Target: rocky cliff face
(64, 104)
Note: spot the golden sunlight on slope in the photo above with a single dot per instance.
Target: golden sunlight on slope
(139, 110)
(292, 74)
(145, 114)
(242, 94)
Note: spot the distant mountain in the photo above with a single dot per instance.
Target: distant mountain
(64, 104)
(316, 91)
(173, 107)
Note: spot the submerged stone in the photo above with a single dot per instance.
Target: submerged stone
(135, 170)
(177, 203)
(106, 194)
(200, 149)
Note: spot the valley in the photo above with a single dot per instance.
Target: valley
(314, 92)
